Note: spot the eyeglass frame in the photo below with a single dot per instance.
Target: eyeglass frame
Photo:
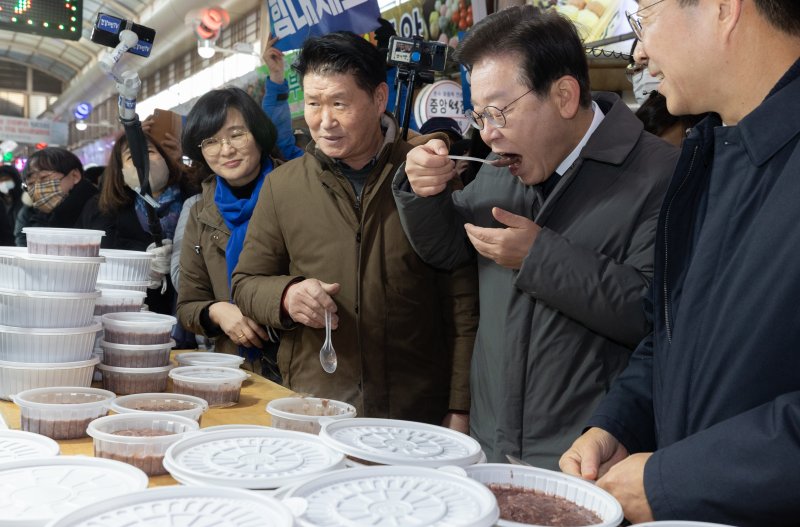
(246, 134)
(474, 116)
(636, 21)
(39, 176)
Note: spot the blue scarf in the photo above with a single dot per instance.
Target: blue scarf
(236, 214)
(170, 203)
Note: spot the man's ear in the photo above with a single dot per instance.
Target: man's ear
(74, 175)
(381, 96)
(566, 94)
(730, 12)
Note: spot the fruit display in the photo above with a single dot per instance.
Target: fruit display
(587, 15)
(448, 18)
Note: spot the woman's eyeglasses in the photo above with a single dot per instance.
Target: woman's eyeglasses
(213, 145)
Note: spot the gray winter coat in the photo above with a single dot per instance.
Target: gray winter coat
(554, 334)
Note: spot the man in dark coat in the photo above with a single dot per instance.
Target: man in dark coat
(563, 225)
(704, 424)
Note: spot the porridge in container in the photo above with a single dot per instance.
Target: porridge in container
(138, 328)
(61, 413)
(303, 413)
(63, 242)
(219, 386)
(172, 403)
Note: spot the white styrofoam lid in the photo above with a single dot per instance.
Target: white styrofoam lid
(393, 496)
(35, 491)
(395, 442)
(16, 444)
(250, 458)
(180, 507)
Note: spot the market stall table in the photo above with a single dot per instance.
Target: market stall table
(251, 410)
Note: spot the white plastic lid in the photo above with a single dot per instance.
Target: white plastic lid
(67, 234)
(182, 506)
(15, 445)
(207, 374)
(49, 365)
(136, 347)
(122, 293)
(250, 458)
(398, 495)
(60, 397)
(135, 320)
(49, 294)
(93, 328)
(135, 371)
(123, 254)
(37, 490)
(209, 358)
(395, 442)
(131, 403)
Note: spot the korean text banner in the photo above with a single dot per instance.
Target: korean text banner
(293, 21)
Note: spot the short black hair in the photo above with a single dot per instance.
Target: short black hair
(657, 119)
(52, 158)
(784, 15)
(547, 44)
(343, 53)
(209, 114)
(13, 173)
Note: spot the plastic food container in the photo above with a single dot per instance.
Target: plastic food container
(46, 309)
(551, 483)
(138, 328)
(47, 344)
(36, 272)
(171, 403)
(16, 444)
(139, 439)
(118, 300)
(387, 495)
(37, 491)
(173, 506)
(124, 381)
(125, 266)
(61, 413)
(303, 413)
(130, 286)
(250, 458)
(17, 377)
(136, 355)
(396, 442)
(209, 358)
(219, 386)
(63, 242)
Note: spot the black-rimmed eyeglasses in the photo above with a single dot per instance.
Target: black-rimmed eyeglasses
(494, 115)
(636, 21)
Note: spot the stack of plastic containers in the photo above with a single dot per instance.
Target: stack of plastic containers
(47, 298)
(136, 348)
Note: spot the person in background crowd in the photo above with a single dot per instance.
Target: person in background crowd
(325, 236)
(10, 202)
(276, 102)
(562, 225)
(703, 424)
(94, 173)
(652, 109)
(231, 137)
(55, 190)
(122, 213)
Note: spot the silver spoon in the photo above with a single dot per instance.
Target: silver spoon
(327, 355)
(469, 158)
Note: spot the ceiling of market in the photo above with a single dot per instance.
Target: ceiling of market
(75, 62)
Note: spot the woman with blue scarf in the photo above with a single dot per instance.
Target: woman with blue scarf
(227, 134)
(122, 213)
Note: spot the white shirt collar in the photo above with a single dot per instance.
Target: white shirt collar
(596, 120)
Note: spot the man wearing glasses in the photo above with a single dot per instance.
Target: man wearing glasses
(704, 424)
(55, 191)
(562, 225)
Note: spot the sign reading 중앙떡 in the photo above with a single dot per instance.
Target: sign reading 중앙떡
(293, 21)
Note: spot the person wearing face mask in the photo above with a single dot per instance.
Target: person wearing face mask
(652, 109)
(55, 191)
(10, 202)
(123, 214)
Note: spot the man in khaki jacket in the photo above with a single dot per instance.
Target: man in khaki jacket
(326, 236)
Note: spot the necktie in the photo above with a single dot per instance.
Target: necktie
(549, 184)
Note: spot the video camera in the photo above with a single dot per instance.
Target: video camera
(417, 54)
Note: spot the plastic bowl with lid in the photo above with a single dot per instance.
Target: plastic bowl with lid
(219, 386)
(63, 242)
(118, 301)
(171, 403)
(22, 271)
(303, 414)
(131, 286)
(61, 412)
(139, 439)
(125, 266)
(550, 483)
(209, 358)
(17, 377)
(136, 355)
(47, 344)
(46, 309)
(125, 381)
(138, 328)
